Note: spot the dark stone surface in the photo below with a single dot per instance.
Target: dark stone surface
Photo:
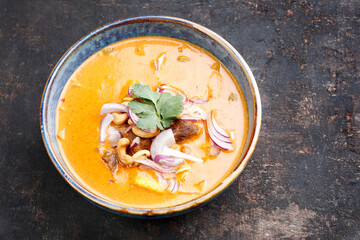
(303, 181)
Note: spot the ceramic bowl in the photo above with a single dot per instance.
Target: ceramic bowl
(147, 26)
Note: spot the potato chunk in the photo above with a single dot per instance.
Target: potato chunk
(148, 183)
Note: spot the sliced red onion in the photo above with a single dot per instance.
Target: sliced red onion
(178, 154)
(162, 157)
(217, 127)
(174, 163)
(210, 126)
(113, 107)
(194, 112)
(218, 135)
(159, 61)
(104, 124)
(135, 142)
(221, 144)
(200, 111)
(162, 181)
(187, 105)
(149, 131)
(163, 139)
(153, 165)
(174, 185)
(145, 168)
(186, 117)
(168, 160)
(162, 143)
(128, 128)
(133, 117)
(166, 88)
(200, 100)
(168, 175)
(114, 136)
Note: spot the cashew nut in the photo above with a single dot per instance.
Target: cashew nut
(137, 131)
(120, 118)
(127, 159)
(140, 155)
(121, 151)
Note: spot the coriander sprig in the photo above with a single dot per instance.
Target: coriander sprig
(156, 110)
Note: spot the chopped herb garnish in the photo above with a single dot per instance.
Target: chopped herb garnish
(183, 59)
(215, 66)
(157, 110)
(232, 97)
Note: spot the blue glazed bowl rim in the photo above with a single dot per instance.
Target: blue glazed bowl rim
(184, 207)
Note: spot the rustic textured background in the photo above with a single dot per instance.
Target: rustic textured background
(303, 181)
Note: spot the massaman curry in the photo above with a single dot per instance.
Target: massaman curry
(151, 122)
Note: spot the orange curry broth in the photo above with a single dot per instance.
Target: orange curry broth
(104, 77)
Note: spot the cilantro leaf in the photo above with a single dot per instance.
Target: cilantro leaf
(167, 122)
(170, 106)
(144, 92)
(149, 122)
(142, 109)
(158, 110)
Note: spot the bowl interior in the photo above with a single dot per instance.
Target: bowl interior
(130, 28)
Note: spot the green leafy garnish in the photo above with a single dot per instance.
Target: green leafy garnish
(144, 92)
(156, 110)
(170, 106)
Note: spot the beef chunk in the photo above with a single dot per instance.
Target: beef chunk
(129, 135)
(144, 144)
(184, 130)
(111, 161)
